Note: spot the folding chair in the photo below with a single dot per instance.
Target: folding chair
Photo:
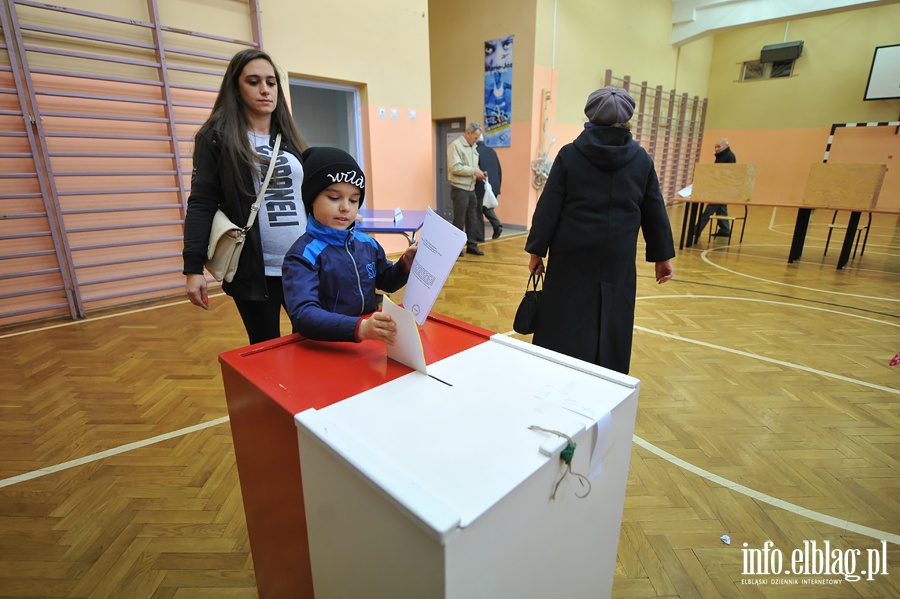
(859, 231)
(731, 220)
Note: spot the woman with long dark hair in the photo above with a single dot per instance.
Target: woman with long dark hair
(232, 151)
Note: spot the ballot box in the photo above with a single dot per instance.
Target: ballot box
(266, 385)
(451, 484)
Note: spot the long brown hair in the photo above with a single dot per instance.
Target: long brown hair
(230, 121)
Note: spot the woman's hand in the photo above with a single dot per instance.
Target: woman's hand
(664, 271)
(196, 290)
(409, 255)
(378, 327)
(536, 264)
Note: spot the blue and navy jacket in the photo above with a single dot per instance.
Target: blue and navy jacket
(330, 277)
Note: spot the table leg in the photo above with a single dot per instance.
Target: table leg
(848, 240)
(684, 225)
(800, 228)
(692, 224)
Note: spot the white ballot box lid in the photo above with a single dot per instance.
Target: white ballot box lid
(449, 445)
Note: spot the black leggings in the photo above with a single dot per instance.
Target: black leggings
(262, 319)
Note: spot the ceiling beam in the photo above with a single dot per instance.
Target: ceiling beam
(694, 19)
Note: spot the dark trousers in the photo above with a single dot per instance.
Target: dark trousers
(490, 215)
(262, 319)
(465, 214)
(492, 218)
(721, 210)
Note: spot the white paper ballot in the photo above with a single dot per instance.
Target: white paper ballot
(686, 192)
(439, 246)
(407, 348)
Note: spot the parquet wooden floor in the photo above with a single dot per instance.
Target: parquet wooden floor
(767, 412)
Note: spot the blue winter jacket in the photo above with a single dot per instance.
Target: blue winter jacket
(330, 277)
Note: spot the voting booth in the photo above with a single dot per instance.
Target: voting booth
(451, 485)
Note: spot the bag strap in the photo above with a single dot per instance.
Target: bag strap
(534, 280)
(254, 209)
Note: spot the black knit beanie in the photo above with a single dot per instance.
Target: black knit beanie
(323, 166)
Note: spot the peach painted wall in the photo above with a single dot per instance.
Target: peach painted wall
(780, 177)
(402, 163)
(872, 145)
(780, 173)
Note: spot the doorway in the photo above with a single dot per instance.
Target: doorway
(447, 131)
(328, 114)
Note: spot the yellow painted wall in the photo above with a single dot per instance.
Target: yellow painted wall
(382, 47)
(594, 36)
(783, 125)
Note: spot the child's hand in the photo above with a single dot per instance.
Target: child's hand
(378, 327)
(409, 255)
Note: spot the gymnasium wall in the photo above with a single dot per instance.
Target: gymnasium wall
(783, 125)
(565, 48)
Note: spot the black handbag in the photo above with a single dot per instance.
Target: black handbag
(526, 314)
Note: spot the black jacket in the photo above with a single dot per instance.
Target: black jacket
(726, 156)
(212, 188)
(489, 163)
(602, 190)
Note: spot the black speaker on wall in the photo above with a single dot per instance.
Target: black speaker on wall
(778, 52)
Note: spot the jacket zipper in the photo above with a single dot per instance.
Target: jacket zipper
(362, 299)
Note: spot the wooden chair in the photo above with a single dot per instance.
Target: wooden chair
(731, 221)
(859, 231)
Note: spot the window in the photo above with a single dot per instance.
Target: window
(755, 70)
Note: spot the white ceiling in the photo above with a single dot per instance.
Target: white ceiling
(693, 19)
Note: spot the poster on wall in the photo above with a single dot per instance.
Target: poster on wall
(498, 58)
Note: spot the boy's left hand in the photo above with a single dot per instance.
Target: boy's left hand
(409, 255)
(378, 327)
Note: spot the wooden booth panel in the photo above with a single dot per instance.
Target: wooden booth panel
(723, 183)
(843, 186)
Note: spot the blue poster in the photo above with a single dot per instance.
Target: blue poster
(498, 56)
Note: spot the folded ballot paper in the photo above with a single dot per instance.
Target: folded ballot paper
(439, 246)
(407, 348)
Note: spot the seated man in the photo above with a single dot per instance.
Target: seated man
(723, 155)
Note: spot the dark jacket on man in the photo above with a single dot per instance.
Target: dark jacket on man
(489, 163)
(726, 156)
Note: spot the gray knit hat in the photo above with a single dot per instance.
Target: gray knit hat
(609, 106)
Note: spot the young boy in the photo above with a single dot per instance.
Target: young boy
(331, 272)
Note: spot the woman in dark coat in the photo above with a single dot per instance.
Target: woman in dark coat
(601, 190)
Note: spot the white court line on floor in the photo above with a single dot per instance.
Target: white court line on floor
(763, 358)
(96, 318)
(784, 505)
(738, 352)
(792, 508)
(740, 274)
(110, 452)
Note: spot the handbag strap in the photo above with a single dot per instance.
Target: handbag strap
(254, 209)
(534, 280)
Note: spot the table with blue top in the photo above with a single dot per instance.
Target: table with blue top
(384, 221)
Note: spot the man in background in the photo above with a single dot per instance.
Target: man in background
(490, 164)
(724, 155)
(463, 171)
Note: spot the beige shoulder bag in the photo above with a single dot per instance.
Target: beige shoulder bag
(226, 239)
